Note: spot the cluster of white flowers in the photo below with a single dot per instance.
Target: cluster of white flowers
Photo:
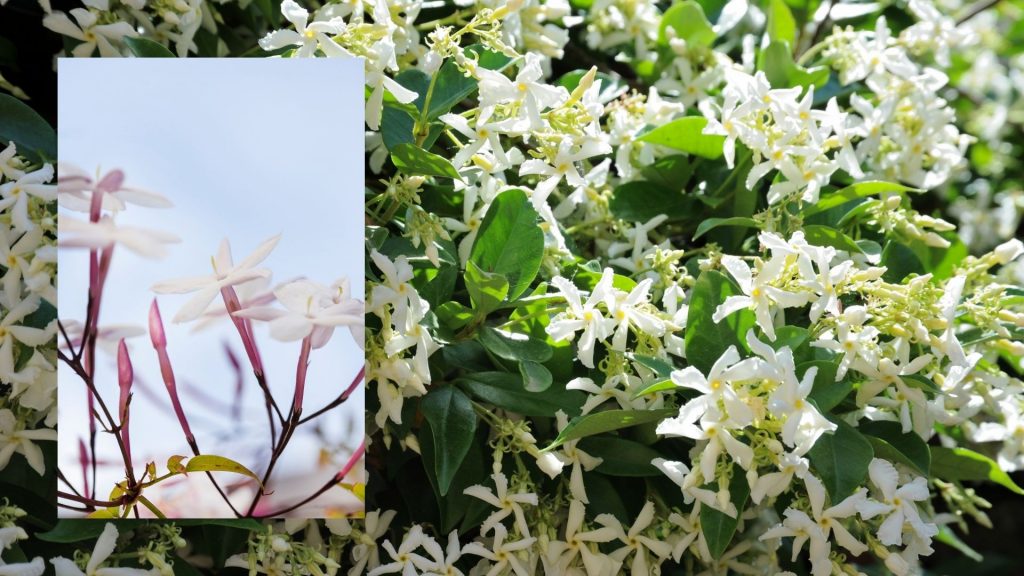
(102, 25)
(28, 408)
(401, 309)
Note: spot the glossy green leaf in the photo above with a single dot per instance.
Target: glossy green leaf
(145, 48)
(776, 61)
(639, 201)
(781, 25)
(853, 192)
(510, 242)
(686, 135)
(841, 460)
(607, 421)
(211, 463)
(662, 385)
(712, 223)
(891, 443)
(514, 346)
(900, 262)
(826, 393)
(506, 391)
(621, 457)
(687, 21)
(26, 128)
(453, 424)
(964, 464)
(486, 290)
(412, 159)
(706, 340)
(818, 235)
(718, 527)
(536, 378)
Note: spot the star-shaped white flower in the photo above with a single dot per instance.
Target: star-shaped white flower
(310, 309)
(225, 274)
(104, 548)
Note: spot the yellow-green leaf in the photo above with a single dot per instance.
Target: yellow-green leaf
(211, 463)
(358, 489)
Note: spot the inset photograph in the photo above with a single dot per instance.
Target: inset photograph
(210, 333)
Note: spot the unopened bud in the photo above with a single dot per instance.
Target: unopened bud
(1008, 251)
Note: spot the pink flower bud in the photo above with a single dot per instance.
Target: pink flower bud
(156, 326)
(125, 377)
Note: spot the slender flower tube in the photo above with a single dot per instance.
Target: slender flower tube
(300, 377)
(351, 462)
(159, 338)
(125, 377)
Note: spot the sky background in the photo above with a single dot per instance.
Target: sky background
(245, 149)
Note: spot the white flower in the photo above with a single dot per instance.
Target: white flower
(715, 427)
(578, 543)
(583, 316)
(225, 274)
(405, 560)
(14, 258)
(11, 333)
(308, 37)
(563, 165)
(104, 548)
(758, 294)
(74, 233)
(897, 503)
(91, 34)
(34, 568)
(852, 344)
(636, 542)
(14, 439)
(16, 195)
(502, 553)
(553, 462)
(817, 529)
(396, 290)
(716, 390)
(630, 310)
(75, 189)
(532, 95)
(774, 483)
(506, 503)
(310, 309)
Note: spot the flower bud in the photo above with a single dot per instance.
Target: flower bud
(1008, 251)
(156, 326)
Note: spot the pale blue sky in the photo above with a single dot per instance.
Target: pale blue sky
(246, 149)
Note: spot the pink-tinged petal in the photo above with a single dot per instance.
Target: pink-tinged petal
(263, 313)
(198, 304)
(145, 198)
(291, 327)
(156, 326)
(260, 253)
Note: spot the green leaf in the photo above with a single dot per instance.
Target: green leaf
(660, 367)
(510, 242)
(454, 314)
(211, 463)
(486, 290)
(705, 339)
(514, 346)
(949, 538)
(826, 393)
(639, 201)
(853, 192)
(506, 391)
(453, 423)
(688, 21)
(452, 86)
(841, 460)
(818, 235)
(900, 262)
(671, 172)
(776, 61)
(145, 48)
(781, 25)
(923, 383)
(606, 421)
(891, 443)
(963, 464)
(20, 124)
(685, 135)
(72, 530)
(718, 527)
(536, 378)
(793, 337)
(412, 159)
(621, 457)
(712, 223)
(663, 385)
